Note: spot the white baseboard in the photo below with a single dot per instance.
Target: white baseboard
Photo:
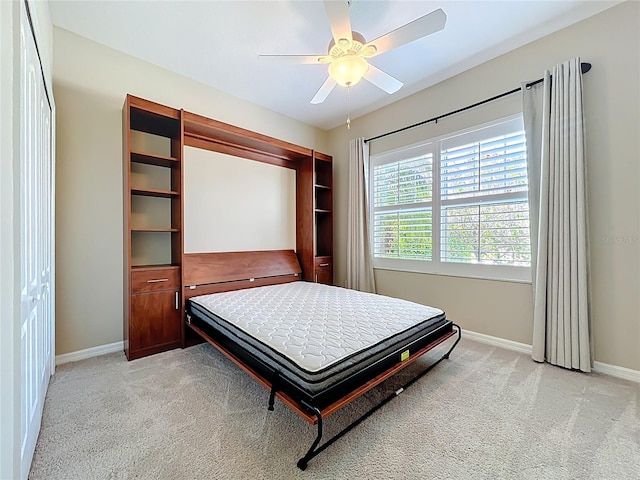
(605, 368)
(615, 371)
(497, 342)
(89, 352)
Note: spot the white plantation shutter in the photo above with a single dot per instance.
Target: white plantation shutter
(486, 167)
(488, 233)
(403, 234)
(402, 216)
(455, 205)
(403, 182)
(484, 205)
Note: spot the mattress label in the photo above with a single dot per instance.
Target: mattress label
(404, 355)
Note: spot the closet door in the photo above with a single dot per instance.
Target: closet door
(36, 243)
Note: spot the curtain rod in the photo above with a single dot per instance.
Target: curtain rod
(585, 67)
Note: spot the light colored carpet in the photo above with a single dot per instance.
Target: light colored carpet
(486, 413)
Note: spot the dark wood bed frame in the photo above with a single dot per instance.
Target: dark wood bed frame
(205, 273)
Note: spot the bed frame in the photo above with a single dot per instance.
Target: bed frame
(205, 273)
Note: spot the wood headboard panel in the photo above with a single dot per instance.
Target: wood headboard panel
(207, 268)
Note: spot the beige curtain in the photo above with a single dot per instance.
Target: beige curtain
(555, 131)
(359, 265)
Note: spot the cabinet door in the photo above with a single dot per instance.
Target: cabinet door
(155, 320)
(324, 270)
(324, 275)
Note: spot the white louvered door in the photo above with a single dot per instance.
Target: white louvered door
(36, 243)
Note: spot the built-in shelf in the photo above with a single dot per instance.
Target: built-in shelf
(314, 225)
(154, 267)
(152, 159)
(144, 229)
(152, 177)
(150, 117)
(152, 192)
(323, 197)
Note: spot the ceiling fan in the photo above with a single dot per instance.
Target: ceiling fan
(348, 51)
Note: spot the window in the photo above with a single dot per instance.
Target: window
(455, 205)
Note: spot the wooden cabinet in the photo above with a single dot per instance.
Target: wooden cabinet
(324, 270)
(154, 322)
(314, 233)
(152, 176)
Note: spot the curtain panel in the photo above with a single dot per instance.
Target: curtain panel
(359, 263)
(555, 132)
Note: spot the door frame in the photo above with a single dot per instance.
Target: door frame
(9, 290)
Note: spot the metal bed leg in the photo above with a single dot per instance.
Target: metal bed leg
(446, 355)
(272, 399)
(274, 389)
(302, 463)
(315, 450)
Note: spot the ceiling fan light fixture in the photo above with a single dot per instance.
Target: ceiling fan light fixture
(348, 69)
(348, 51)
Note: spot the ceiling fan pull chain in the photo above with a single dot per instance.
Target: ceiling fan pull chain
(348, 107)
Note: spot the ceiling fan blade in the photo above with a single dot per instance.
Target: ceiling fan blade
(338, 13)
(419, 28)
(290, 59)
(324, 91)
(382, 80)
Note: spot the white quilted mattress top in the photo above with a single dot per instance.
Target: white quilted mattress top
(315, 325)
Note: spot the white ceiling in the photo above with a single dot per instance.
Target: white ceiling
(217, 43)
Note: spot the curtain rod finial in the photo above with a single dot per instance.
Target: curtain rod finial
(585, 67)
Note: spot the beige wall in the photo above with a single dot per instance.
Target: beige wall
(90, 84)
(611, 42)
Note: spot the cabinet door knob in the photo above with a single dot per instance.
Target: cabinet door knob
(177, 306)
(158, 280)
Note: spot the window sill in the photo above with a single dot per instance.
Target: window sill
(456, 275)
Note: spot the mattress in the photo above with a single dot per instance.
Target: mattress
(316, 335)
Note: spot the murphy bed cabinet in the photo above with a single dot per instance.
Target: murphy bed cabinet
(154, 137)
(152, 143)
